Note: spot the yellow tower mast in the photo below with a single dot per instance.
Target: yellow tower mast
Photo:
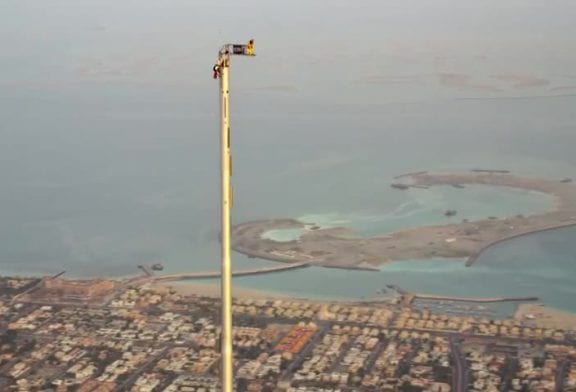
(221, 71)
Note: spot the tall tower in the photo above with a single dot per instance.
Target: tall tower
(222, 71)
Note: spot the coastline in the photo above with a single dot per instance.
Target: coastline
(544, 316)
(213, 290)
(472, 259)
(536, 314)
(339, 248)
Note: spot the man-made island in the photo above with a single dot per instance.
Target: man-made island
(342, 248)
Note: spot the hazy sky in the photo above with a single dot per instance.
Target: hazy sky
(353, 50)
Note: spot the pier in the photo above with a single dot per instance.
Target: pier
(408, 298)
(216, 274)
(147, 271)
(490, 171)
(479, 300)
(410, 174)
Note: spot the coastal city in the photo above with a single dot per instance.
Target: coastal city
(109, 335)
(288, 196)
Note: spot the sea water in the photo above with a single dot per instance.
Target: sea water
(110, 156)
(130, 200)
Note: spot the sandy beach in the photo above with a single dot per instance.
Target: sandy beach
(213, 290)
(546, 317)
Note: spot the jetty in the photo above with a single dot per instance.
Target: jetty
(216, 274)
(478, 300)
(410, 174)
(490, 171)
(408, 298)
(403, 187)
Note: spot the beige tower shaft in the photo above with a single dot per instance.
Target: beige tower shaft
(222, 71)
(225, 191)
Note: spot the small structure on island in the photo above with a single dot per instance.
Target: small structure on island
(157, 267)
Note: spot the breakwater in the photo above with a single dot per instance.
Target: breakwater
(478, 300)
(216, 274)
(409, 297)
(472, 259)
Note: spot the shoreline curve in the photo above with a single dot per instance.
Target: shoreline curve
(341, 248)
(472, 259)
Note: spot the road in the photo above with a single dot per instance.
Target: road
(142, 368)
(561, 372)
(459, 381)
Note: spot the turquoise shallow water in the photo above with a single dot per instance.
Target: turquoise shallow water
(536, 265)
(283, 235)
(428, 207)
